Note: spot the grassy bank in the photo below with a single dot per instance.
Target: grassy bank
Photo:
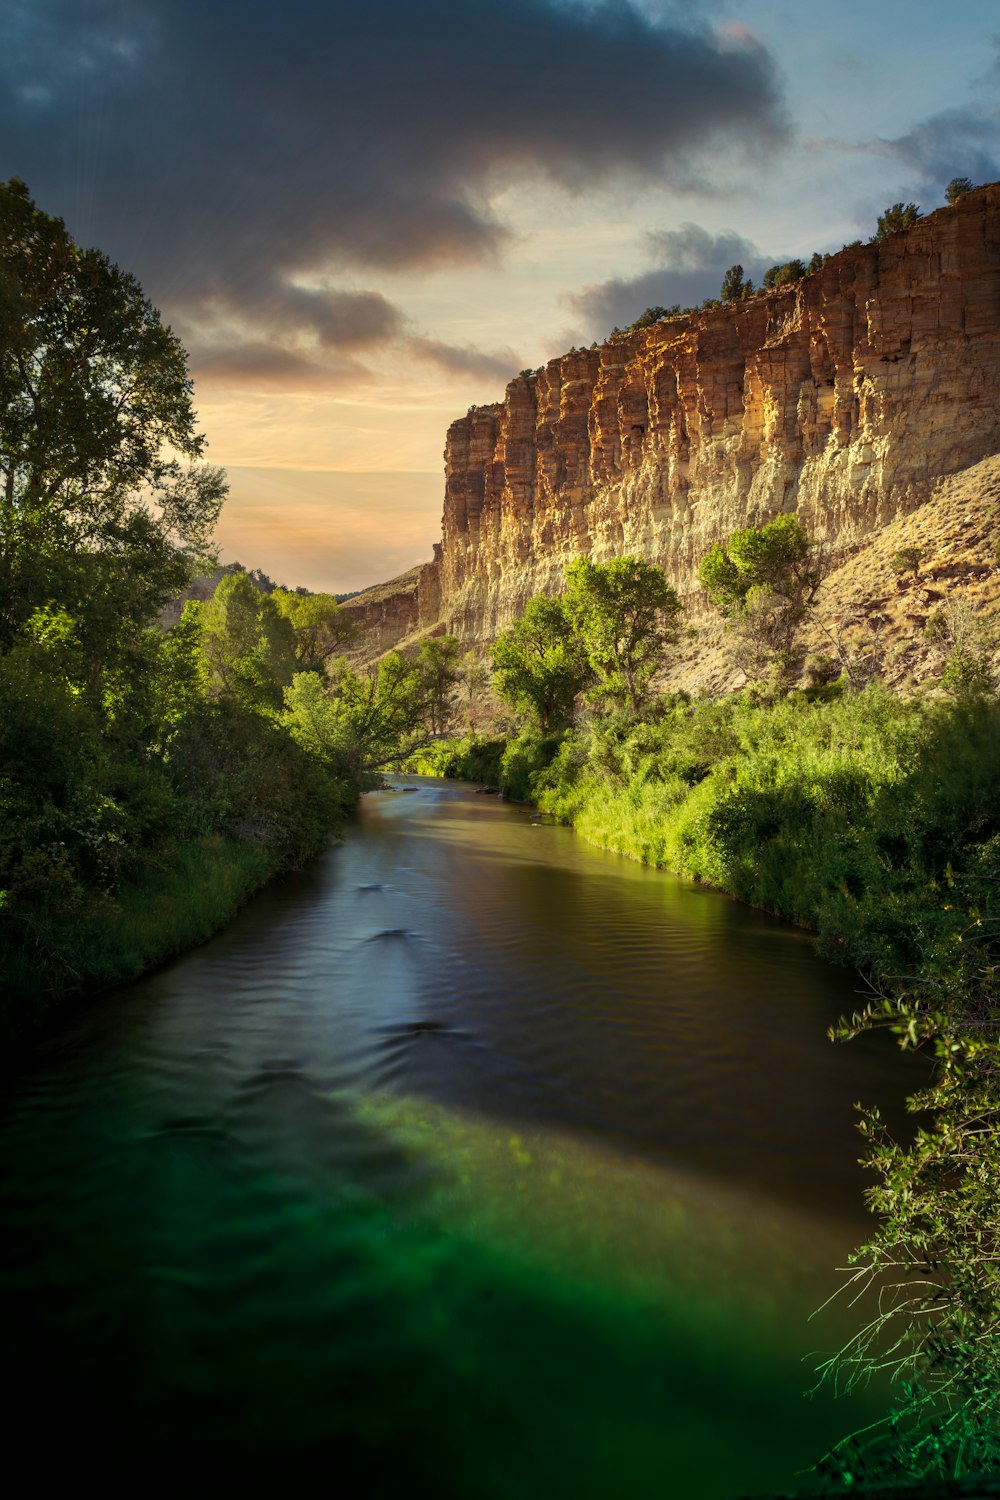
(872, 819)
(191, 893)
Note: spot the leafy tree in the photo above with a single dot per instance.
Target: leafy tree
(322, 627)
(248, 644)
(897, 216)
(364, 720)
(957, 188)
(763, 582)
(734, 287)
(437, 660)
(540, 665)
(784, 275)
(816, 260)
(99, 490)
(624, 613)
(472, 680)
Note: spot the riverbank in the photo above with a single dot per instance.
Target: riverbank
(191, 892)
(875, 822)
(871, 819)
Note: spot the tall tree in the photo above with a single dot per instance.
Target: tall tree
(763, 582)
(323, 628)
(99, 485)
(248, 644)
(438, 663)
(539, 664)
(624, 613)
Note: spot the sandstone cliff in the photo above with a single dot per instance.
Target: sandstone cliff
(846, 397)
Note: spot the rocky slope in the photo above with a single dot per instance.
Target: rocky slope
(847, 397)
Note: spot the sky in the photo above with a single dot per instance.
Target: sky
(363, 218)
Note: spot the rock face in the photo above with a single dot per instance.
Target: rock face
(845, 397)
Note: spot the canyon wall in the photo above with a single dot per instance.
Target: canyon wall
(845, 397)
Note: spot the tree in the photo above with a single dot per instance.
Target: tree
(473, 680)
(248, 644)
(897, 216)
(783, 275)
(322, 626)
(437, 660)
(363, 721)
(763, 582)
(957, 188)
(539, 665)
(99, 489)
(734, 288)
(624, 613)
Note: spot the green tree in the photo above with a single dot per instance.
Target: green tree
(473, 680)
(784, 275)
(364, 720)
(763, 582)
(897, 216)
(437, 660)
(624, 613)
(248, 644)
(100, 493)
(734, 287)
(957, 188)
(322, 626)
(540, 665)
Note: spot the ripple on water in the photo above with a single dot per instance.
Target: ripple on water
(472, 1160)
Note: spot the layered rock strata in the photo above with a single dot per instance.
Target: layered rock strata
(845, 397)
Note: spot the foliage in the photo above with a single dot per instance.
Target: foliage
(907, 559)
(783, 275)
(929, 1272)
(322, 627)
(763, 581)
(437, 660)
(539, 665)
(248, 643)
(131, 757)
(896, 216)
(957, 188)
(966, 643)
(99, 489)
(364, 721)
(624, 613)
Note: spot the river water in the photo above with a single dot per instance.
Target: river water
(470, 1162)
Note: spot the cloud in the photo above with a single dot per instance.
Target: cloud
(270, 367)
(690, 263)
(236, 155)
(457, 360)
(960, 142)
(954, 143)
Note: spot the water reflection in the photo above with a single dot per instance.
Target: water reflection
(472, 1160)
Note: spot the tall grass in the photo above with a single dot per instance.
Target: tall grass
(193, 891)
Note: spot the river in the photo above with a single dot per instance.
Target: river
(469, 1162)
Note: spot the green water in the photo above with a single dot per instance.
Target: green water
(472, 1162)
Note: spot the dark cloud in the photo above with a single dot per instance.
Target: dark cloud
(690, 265)
(456, 360)
(227, 151)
